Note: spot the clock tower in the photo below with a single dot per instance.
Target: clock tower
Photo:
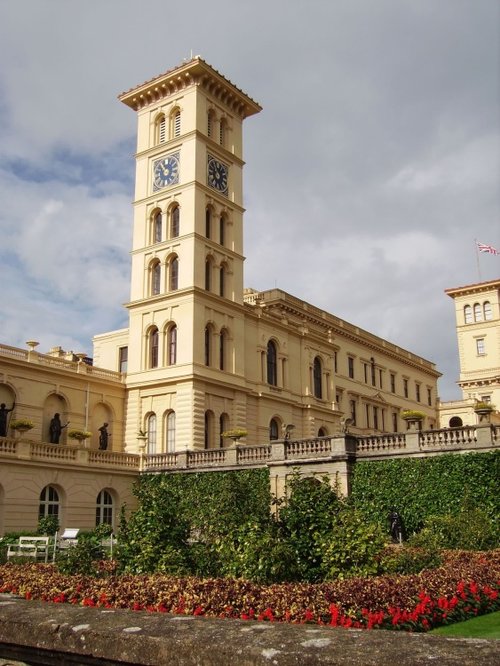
(186, 306)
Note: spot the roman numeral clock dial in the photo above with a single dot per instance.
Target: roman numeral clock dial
(217, 175)
(166, 171)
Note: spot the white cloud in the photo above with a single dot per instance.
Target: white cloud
(370, 171)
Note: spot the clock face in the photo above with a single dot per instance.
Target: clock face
(166, 171)
(217, 175)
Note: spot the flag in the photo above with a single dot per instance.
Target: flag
(487, 248)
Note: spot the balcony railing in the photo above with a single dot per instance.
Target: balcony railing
(314, 450)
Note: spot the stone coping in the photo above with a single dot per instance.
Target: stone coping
(49, 633)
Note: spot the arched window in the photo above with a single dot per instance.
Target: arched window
(468, 314)
(455, 422)
(222, 131)
(155, 278)
(208, 345)
(223, 426)
(478, 312)
(209, 428)
(170, 432)
(175, 217)
(173, 273)
(172, 345)
(208, 222)
(317, 376)
(49, 502)
(274, 429)
(208, 273)
(153, 348)
(222, 349)
(161, 129)
(104, 508)
(322, 432)
(152, 433)
(222, 280)
(272, 364)
(488, 314)
(210, 122)
(176, 122)
(157, 227)
(222, 229)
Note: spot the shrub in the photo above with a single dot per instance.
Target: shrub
(351, 547)
(408, 559)
(470, 529)
(306, 520)
(48, 525)
(423, 487)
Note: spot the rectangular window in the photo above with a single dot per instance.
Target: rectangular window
(480, 346)
(394, 422)
(417, 392)
(393, 383)
(380, 378)
(122, 359)
(367, 409)
(365, 370)
(335, 362)
(375, 418)
(405, 387)
(352, 408)
(429, 397)
(350, 363)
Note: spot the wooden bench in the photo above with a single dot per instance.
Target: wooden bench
(36, 547)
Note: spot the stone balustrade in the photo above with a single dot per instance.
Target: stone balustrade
(280, 452)
(25, 449)
(327, 449)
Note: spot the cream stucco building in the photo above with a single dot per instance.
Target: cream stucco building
(201, 354)
(477, 313)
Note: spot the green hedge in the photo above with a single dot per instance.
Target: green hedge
(422, 487)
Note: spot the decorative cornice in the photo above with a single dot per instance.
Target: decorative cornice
(479, 287)
(193, 72)
(298, 312)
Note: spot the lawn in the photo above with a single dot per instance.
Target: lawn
(486, 626)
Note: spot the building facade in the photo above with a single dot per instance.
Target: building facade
(205, 355)
(201, 354)
(477, 315)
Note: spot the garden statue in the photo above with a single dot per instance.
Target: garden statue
(55, 429)
(103, 437)
(3, 418)
(396, 526)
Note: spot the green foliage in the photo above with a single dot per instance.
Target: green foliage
(306, 520)
(423, 487)
(470, 529)
(183, 519)
(259, 553)
(351, 547)
(83, 557)
(411, 559)
(48, 525)
(156, 534)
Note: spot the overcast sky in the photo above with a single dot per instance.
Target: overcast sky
(371, 170)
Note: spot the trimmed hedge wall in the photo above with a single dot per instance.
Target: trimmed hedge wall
(423, 487)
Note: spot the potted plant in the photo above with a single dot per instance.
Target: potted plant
(79, 435)
(482, 407)
(21, 425)
(413, 417)
(235, 434)
(483, 410)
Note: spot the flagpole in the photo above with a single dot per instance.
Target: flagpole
(477, 260)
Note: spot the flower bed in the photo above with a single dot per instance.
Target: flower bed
(468, 584)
